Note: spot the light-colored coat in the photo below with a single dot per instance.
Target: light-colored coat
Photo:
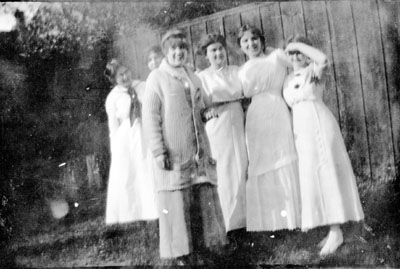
(173, 126)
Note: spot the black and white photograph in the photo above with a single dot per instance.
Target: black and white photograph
(177, 133)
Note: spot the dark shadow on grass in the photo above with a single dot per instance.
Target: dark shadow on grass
(106, 237)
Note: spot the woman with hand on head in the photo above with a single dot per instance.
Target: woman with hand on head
(272, 190)
(130, 196)
(185, 174)
(329, 194)
(225, 129)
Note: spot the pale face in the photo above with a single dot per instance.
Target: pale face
(216, 54)
(123, 77)
(251, 45)
(154, 60)
(177, 56)
(297, 59)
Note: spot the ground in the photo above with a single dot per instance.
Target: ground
(82, 239)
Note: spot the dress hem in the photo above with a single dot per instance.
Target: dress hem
(267, 230)
(306, 229)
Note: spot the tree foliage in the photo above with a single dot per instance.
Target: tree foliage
(67, 27)
(178, 11)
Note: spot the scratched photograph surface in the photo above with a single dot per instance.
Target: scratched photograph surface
(100, 100)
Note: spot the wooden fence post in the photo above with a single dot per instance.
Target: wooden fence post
(93, 171)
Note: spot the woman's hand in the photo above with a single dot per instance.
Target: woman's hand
(209, 113)
(163, 162)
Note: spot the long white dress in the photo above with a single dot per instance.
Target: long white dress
(130, 195)
(227, 141)
(329, 192)
(272, 190)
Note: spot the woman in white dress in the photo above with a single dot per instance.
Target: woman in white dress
(225, 129)
(329, 194)
(272, 190)
(130, 195)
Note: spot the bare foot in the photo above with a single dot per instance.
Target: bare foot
(323, 242)
(335, 239)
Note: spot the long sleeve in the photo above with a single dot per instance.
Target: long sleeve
(261, 74)
(255, 76)
(282, 58)
(206, 95)
(152, 119)
(112, 121)
(117, 108)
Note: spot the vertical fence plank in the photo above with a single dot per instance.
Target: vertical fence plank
(215, 26)
(197, 31)
(292, 18)
(271, 24)
(252, 17)
(231, 26)
(349, 86)
(390, 23)
(316, 22)
(186, 29)
(362, 65)
(374, 87)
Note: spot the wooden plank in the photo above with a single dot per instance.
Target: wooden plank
(215, 26)
(186, 29)
(374, 87)
(231, 27)
(316, 22)
(292, 18)
(222, 14)
(350, 97)
(251, 17)
(390, 26)
(197, 32)
(271, 24)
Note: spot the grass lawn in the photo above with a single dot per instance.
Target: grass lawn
(84, 240)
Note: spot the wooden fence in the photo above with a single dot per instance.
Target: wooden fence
(362, 41)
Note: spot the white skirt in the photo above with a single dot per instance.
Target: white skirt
(273, 200)
(228, 147)
(130, 194)
(328, 186)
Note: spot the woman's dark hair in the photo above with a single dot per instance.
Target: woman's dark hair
(111, 70)
(209, 39)
(155, 49)
(298, 38)
(252, 29)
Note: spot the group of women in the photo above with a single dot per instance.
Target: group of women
(216, 167)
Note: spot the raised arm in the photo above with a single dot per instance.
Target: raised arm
(317, 56)
(282, 58)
